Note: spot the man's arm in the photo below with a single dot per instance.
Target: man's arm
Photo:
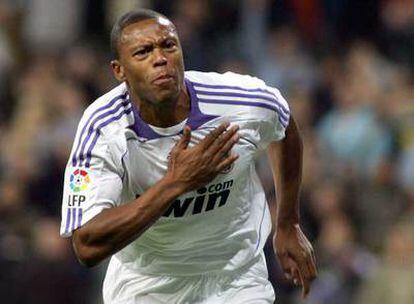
(293, 249)
(189, 169)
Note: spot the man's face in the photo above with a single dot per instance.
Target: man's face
(151, 60)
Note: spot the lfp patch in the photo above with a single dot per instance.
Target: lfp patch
(79, 180)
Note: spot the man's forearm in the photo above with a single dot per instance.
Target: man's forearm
(114, 228)
(286, 161)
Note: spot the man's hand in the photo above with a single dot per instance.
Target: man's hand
(196, 166)
(295, 255)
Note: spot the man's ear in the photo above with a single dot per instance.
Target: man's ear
(118, 70)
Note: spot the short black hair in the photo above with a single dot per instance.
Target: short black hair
(128, 19)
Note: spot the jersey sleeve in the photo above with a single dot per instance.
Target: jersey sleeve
(92, 182)
(262, 108)
(270, 110)
(274, 122)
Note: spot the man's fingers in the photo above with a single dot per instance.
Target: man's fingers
(315, 268)
(295, 269)
(288, 265)
(209, 139)
(227, 162)
(311, 261)
(183, 142)
(306, 271)
(225, 150)
(305, 285)
(296, 278)
(299, 279)
(296, 256)
(222, 140)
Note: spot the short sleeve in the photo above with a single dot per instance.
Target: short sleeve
(280, 120)
(92, 183)
(262, 108)
(273, 121)
(270, 108)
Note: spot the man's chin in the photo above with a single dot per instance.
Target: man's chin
(166, 96)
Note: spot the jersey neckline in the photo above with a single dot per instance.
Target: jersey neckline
(195, 118)
(169, 130)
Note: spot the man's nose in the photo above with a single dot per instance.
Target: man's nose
(159, 57)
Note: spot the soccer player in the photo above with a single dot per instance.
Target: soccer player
(161, 178)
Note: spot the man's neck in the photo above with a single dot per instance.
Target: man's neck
(168, 113)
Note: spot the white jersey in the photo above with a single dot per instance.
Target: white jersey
(116, 157)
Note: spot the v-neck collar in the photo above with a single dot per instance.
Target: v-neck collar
(195, 118)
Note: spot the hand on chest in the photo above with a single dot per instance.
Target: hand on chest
(147, 161)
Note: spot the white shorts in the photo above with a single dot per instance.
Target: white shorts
(246, 286)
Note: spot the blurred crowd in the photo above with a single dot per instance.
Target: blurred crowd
(346, 68)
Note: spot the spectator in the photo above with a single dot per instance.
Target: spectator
(393, 280)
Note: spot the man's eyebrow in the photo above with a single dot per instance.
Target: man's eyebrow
(168, 37)
(140, 43)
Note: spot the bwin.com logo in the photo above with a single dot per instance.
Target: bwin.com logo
(208, 198)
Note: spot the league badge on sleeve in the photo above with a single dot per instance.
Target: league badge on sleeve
(79, 180)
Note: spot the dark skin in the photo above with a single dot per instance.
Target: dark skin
(150, 62)
(294, 251)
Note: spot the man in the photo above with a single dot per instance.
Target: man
(161, 178)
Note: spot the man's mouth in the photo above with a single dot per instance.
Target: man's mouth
(163, 79)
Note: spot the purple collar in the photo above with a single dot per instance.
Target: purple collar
(195, 118)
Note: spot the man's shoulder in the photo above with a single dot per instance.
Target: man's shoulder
(229, 93)
(228, 79)
(113, 97)
(112, 109)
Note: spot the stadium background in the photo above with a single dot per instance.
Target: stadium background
(345, 66)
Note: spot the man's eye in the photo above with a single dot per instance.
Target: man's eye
(169, 44)
(142, 52)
